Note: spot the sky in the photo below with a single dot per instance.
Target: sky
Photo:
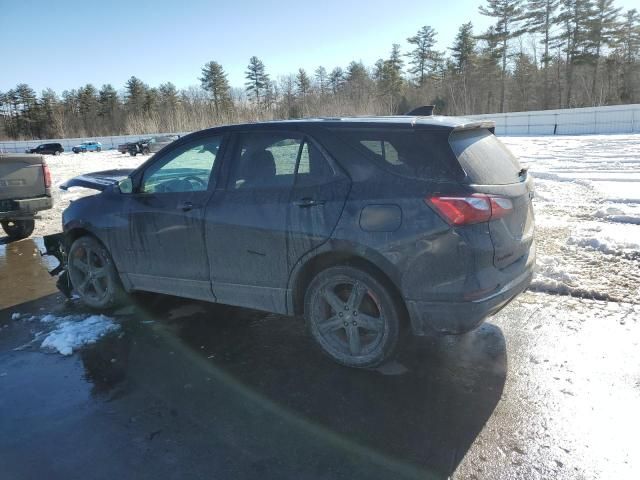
(65, 44)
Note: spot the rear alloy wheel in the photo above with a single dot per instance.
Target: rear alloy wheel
(352, 317)
(93, 274)
(56, 153)
(18, 229)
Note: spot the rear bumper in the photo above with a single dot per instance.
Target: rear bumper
(26, 207)
(461, 317)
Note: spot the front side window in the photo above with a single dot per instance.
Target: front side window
(185, 169)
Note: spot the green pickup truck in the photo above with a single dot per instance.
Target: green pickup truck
(25, 189)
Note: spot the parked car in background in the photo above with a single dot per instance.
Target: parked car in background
(123, 147)
(139, 146)
(87, 147)
(366, 227)
(151, 145)
(25, 189)
(47, 149)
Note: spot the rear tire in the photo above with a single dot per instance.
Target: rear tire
(353, 317)
(18, 229)
(98, 149)
(56, 153)
(145, 151)
(93, 274)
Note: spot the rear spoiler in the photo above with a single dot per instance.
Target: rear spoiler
(470, 125)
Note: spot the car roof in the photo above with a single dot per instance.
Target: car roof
(437, 122)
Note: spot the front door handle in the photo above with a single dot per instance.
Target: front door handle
(186, 206)
(308, 202)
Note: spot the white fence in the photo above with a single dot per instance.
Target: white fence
(68, 143)
(573, 121)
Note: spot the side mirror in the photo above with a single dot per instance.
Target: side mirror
(125, 185)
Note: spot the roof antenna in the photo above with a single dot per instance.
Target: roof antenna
(423, 111)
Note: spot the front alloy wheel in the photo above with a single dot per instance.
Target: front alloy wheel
(352, 317)
(93, 274)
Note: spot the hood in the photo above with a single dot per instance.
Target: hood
(97, 180)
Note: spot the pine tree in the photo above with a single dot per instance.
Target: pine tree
(107, 100)
(214, 81)
(396, 58)
(336, 79)
(322, 79)
(464, 47)
(168, 94)
(303, 83)
(257, 80)
(151, 100)
(49, 105)
(423, 54)
(27, 111)
(507, 14)
(628, 42)
(603, 26)
(539, 18)
(136, 92)
(390, 85)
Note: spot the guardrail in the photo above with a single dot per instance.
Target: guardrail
(573, 121)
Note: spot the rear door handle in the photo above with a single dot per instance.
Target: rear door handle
(308, 202)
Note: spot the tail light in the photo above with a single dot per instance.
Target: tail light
(47, 175)
(475, 208)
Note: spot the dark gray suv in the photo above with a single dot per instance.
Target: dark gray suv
(364, 226)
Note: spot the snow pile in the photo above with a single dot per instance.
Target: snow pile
(613, 239)
(74, 331)
(553, 272)
(553, 275)
(620, 213)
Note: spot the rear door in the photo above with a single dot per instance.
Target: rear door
(318, 197)
(166, 250)
(493, 169)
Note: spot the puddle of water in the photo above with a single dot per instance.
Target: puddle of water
(24, 272)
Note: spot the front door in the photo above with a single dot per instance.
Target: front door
(166, 252)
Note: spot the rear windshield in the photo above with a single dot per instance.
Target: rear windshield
(484, 158)
(411, 153)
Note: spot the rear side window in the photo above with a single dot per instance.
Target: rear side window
(411, 153)
(484, 158)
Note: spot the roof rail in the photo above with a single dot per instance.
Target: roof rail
(423, 111)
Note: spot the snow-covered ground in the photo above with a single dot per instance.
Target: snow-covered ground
(587, 213)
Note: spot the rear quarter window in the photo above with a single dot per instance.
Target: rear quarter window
(410, 153)
(484, 158)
